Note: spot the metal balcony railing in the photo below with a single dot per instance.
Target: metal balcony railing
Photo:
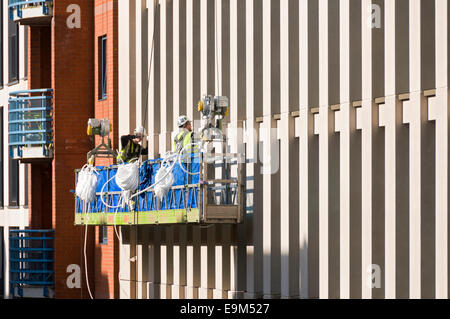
(17, 7)
(31, 261)
(31, 123)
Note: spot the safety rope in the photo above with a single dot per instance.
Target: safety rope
(144, 123)
(216, 48)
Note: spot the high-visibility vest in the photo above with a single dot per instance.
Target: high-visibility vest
(129, 152)
(182, 139)
(121, 156)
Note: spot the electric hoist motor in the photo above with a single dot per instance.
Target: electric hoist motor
(213, 110)
(98, 127)
(211, 106)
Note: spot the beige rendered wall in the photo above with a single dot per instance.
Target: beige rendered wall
(353, 202)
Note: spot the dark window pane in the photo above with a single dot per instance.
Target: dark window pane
(102, 78)
(103, 235)
(1, 158)
(13, 183)
(104, 66)
(1, 44)
(26, 30)
(13, 59)
(27, 171)
(2, 260)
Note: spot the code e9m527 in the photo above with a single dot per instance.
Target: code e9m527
(246, 308)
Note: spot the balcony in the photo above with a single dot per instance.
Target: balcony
(31, 12)
(31, 263)
(31, 125)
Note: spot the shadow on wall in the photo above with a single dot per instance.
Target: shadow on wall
(101, 283)
(241, 239)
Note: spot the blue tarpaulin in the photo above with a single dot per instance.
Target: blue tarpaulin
(180, 199)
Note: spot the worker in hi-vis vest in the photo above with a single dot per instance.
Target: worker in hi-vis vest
(131, 147)
(184, 137)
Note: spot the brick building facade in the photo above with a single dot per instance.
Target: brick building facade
(63, 55)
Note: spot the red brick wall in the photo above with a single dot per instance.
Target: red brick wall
(39, 57)
(73, 84)
(40, 195)
(106, 23)
(66, 60)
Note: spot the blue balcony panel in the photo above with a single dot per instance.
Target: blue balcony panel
(31, 264)
(30, 125)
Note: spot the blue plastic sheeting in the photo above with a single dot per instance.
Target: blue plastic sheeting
(175, 199)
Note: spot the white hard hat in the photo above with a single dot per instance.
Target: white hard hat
(182, 120)
(139, 131)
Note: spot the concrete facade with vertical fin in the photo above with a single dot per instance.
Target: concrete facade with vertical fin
(354, 203)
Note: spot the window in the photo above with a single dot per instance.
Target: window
(103, 235)
(1, 44)
(1, 158)
(102, 67)
(27, 171)
(25, 51)
(13, 183)
(13, 59)
(2, 260)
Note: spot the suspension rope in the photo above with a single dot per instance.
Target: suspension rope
(216, 48)
(144, 119)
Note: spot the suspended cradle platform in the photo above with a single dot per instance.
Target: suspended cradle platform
(211, 196)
